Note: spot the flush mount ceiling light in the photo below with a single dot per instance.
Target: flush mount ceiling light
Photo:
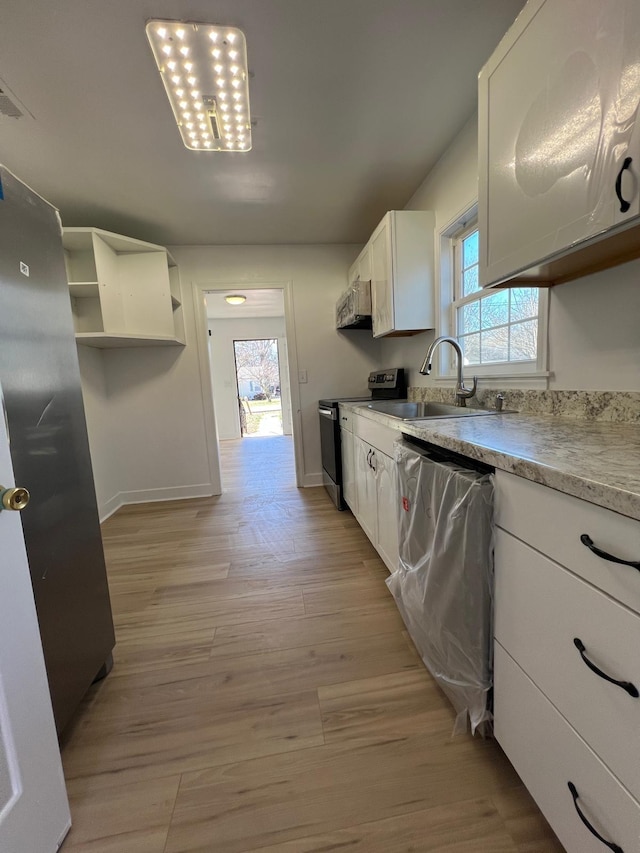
(204, 71)
(235, 299)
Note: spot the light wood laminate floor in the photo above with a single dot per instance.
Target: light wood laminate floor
(265, 696)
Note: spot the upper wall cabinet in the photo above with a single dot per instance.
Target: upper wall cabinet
(559, 143)
(402, 273)
(124, 292)
(360, 270)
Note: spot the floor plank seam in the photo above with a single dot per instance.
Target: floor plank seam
(173, 810)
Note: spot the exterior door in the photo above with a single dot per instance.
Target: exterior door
(34, 812)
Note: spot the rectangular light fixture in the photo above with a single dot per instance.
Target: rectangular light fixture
(206, 78)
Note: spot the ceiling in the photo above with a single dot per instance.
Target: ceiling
(354, 101)
(260, 303)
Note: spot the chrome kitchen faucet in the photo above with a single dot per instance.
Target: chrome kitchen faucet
(462, 393)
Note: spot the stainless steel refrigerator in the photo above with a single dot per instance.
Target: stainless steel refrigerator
(44, 412)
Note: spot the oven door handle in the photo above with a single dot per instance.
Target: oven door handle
(332, 414)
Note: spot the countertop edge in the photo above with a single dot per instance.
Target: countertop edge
(624, 502)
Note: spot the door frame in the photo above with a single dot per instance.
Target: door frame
(235, 371)
(200, 290)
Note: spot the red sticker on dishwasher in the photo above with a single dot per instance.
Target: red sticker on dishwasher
(405, 504)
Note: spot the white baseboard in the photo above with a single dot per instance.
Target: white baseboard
(312, 480)
(143, 496)
(107, 509)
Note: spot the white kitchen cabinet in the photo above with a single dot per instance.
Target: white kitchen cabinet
(567, 622)
(376, 491)
(558, 104)
(403, 273)
(366, 487)
(386, 510)
(349, 492)
(124, 292)
(548, 754)
(349, 470)
(360, 270)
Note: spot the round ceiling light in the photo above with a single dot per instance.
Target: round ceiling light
(235, 299)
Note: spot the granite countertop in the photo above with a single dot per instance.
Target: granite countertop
(594, 460)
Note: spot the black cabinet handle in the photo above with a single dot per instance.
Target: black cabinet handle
(369, 458)
(574, 793)
(630, 688)
(373, 453)
(588, 541)
(624, 205)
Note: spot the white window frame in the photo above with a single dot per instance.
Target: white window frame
(515, 373)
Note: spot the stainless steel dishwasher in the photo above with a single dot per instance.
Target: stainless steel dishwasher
(444, 582)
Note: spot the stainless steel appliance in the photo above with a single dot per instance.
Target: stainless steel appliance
(388, 384)
(44, 412)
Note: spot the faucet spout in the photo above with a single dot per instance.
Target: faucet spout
(462, 393)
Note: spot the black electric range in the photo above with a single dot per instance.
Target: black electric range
(389, 384)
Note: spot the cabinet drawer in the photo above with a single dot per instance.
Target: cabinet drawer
(345, 418)
(547, 753)
(554, 522)
(381, 437)
(540, 609)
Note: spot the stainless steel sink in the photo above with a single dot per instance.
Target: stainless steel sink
(407, 411)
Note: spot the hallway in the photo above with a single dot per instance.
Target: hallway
(265, 696)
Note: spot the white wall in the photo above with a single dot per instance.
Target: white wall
(144, 406)
(145, 421)
(337, 363)
(98, 414)
(223, 367)
(594, 343)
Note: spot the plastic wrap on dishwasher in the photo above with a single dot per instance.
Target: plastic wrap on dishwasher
(444, 582)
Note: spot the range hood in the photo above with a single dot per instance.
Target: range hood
(353, 309)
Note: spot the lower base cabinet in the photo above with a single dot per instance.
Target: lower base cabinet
(366, 489)
(550, 756)
(566, 672)
(376, 497)
(348, 469)
(387, 510)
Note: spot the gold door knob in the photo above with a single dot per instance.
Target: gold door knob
(15, 499)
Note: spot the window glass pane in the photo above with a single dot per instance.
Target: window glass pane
(494, 345)
(524, 303)
(495, 309)
(469, 318)
(471, 348)
(470, 282)
(524, 341)
(470, 250)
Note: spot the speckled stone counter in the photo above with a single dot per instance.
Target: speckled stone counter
(597, 461)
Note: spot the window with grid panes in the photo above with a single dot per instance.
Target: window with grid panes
(496, 328)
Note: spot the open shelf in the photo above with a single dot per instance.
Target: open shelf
(103, 340)
(84, 289)
(118, 284)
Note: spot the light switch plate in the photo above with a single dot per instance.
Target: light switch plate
(302, 376)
